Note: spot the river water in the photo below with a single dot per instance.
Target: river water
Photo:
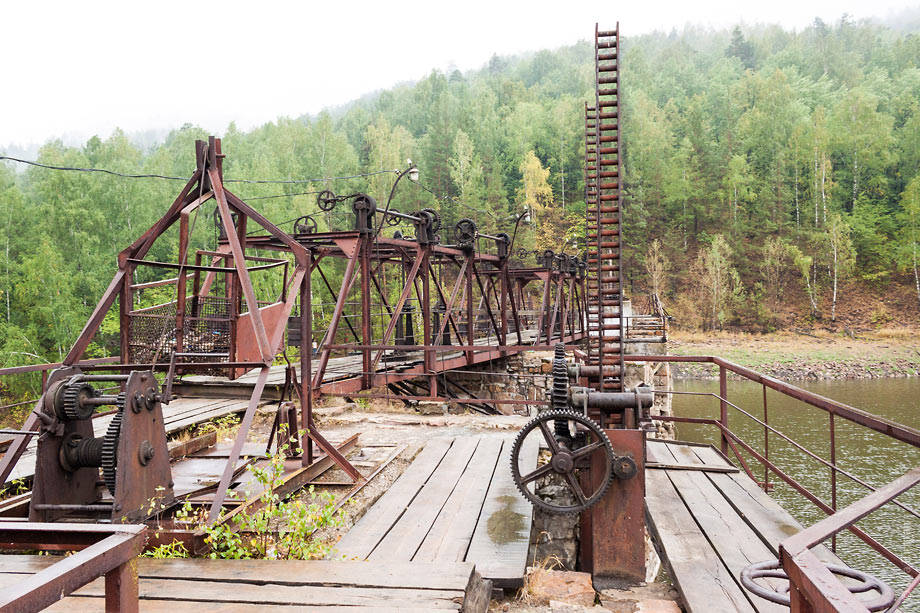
(871, 456)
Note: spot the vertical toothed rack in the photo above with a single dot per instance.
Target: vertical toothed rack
(604, 200)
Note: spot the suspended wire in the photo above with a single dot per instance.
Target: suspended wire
(103, 170)
(318, 191)
(251, 181)
(170, 178)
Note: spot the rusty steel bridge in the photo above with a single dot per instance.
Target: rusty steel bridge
(388, 307)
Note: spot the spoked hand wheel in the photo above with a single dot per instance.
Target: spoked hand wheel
(465, 231)
(779, 593)
(326, 200)
(572, 440)
(305, 225)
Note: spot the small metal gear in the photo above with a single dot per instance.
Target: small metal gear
(110, 446)
(73, 396)
(564, 461)
(435, 219)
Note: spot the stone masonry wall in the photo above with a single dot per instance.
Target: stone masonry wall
(522, 376)
(656, 375)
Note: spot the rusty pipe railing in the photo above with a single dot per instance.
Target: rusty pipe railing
(44, 369)
(101, 550)
(812, 587)
(730, 440)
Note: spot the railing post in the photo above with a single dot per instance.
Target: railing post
(833, 474)
(121, 592)
(306, 359)
(766, 442)
(723, 407)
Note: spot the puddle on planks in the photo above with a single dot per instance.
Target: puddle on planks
(505, 524)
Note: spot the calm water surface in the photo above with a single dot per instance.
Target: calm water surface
(871, 456)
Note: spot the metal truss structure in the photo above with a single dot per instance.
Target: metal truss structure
(407, 308)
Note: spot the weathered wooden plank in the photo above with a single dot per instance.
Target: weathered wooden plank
(704, 583)
(733, 540)
(270, 594)
(695, 467)
(772, 522)
(501, 540)
(434, 576)
(278, 584)
(222, 450)
(685, 455)
(364, 536)
(79, 604)
(657, 452)
(197, 417)
(451, 533)
(407, 534)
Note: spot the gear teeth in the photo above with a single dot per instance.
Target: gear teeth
(549, 416)
(110, 447)
(559, 397)
(72, 400)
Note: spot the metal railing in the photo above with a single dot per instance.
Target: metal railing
(44, 369)
(731, 442)
(108, 550)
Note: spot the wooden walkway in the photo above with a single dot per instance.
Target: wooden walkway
(339, 368)
(709, 521)
(177, 415)
(219, 586)
(455, 502)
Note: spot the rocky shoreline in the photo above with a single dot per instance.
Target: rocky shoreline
(817, 370)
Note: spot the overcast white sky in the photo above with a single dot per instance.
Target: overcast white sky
(75, 69)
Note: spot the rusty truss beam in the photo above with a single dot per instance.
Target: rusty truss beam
(406, 305)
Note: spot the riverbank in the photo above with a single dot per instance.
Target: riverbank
(886, 352)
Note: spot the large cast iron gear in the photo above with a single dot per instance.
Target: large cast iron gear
(565, 461)
(73, 396)
(110, 446)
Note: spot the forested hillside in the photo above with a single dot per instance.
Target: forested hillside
(771, 167)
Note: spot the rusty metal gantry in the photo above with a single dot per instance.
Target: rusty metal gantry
(464, 305)
(420, 308)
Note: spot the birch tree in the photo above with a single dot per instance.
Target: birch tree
(841, 255)
(718, 283)
(910, 215)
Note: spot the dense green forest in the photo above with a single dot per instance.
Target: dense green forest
(770, 166)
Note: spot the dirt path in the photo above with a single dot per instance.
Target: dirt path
(815, 355)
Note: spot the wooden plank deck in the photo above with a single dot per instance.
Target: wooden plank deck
(455, 502)
(710, 522)
(259, 585)
(344, 367)
(177, 415)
